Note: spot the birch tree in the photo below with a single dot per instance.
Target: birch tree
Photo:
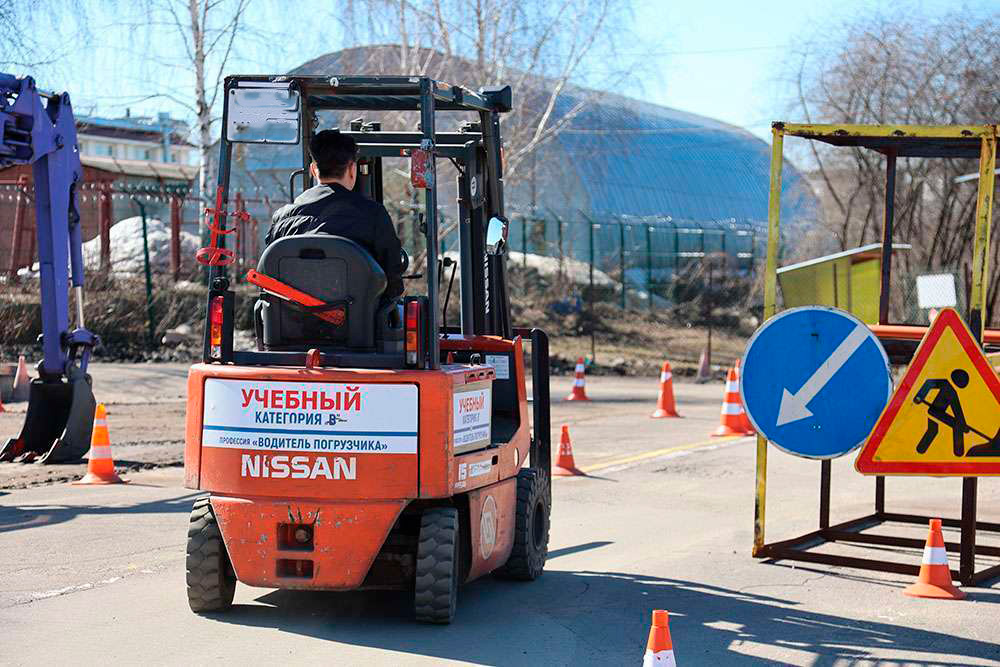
(904, 71)
(540, 48)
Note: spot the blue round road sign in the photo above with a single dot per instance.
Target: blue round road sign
(815, 381)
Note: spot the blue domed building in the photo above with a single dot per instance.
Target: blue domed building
(635, 188)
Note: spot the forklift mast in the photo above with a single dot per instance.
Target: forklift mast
(39, 129)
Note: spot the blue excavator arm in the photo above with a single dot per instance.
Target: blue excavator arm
(39, 129)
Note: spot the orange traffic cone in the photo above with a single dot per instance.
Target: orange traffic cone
(579, 393)
(934, 580)
(744, 419)
(665, 406)
(659, 648)
(100, 465)
(565, 466)
(22, 382)
(730, 423)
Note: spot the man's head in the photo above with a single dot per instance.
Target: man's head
(334, 158)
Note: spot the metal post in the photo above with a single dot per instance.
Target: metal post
(649, 265)
(175, 237)
(104, 224)
(20, 209)
(151, 326)
(524, 242)
(708, 309)
(770, 294)
(562, 254)
(431, 220)
(887, 225)
(590, 226)
(824, 494)
(621, 260)
(981, 247)
(888, 221)
(977, 309)
(590, 295)
(967, 555)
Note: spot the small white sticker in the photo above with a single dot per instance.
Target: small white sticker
(481, 468)
(501, 364)
(463, 470)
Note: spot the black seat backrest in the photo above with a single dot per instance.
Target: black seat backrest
(330, 268)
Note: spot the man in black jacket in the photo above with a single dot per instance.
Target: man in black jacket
(332, 207)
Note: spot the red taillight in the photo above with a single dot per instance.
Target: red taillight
(412, 333)
(215, 324)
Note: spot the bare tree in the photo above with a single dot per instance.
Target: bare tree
(906, 71)
(207, 29)
(20, 20)
(540, 48)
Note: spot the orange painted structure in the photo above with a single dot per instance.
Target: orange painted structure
(351, 519)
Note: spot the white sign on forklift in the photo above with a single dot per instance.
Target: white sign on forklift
(310, 416)
(471, 418)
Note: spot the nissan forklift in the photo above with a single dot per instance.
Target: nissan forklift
(365, 444)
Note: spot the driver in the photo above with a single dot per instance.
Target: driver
(332, 207)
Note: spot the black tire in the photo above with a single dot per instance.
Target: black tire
(436, 583)
(531, 528)
(211, 581)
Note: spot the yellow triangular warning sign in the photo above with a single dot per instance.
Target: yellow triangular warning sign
(944, 417)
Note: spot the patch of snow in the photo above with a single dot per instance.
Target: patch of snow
(574, 270)
(126, 246)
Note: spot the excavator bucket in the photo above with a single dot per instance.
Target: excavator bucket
(59, 422)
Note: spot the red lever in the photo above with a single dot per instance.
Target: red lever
(215, 218)
(288, 293)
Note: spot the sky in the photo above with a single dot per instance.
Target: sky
(724, 59)
(728, 59)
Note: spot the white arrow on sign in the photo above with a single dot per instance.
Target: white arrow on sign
(793, 406)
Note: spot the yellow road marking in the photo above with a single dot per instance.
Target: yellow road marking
(657, 452)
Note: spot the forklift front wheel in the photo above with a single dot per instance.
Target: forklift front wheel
(436, 583)
(211, 581)
(531, 528)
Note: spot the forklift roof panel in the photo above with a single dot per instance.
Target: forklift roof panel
(386, 93)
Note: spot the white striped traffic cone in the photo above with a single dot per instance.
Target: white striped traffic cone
(22, 382)
(744, 419)
(579, 392)
(935, 575)
(100, 465)
(659, 646)
(665, 406)
(730, 422)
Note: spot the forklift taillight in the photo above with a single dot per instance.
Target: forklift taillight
(215, 322)
(412, 333)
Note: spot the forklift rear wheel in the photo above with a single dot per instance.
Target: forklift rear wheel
(211, 581)
(436, 583)
(531, 528)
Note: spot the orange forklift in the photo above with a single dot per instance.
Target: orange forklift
(365, 444)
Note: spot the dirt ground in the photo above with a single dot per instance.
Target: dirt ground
(145, 404)
(663, 519)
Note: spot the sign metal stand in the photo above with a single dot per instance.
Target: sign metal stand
(893, 142)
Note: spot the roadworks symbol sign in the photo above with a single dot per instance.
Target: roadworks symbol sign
(944, 417)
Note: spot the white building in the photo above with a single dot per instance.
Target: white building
(159, 140)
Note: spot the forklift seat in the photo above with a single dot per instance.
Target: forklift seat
(333, 269)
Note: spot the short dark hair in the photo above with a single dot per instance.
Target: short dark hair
(332, 152)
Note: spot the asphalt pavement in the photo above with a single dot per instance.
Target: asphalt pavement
(662, 521)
